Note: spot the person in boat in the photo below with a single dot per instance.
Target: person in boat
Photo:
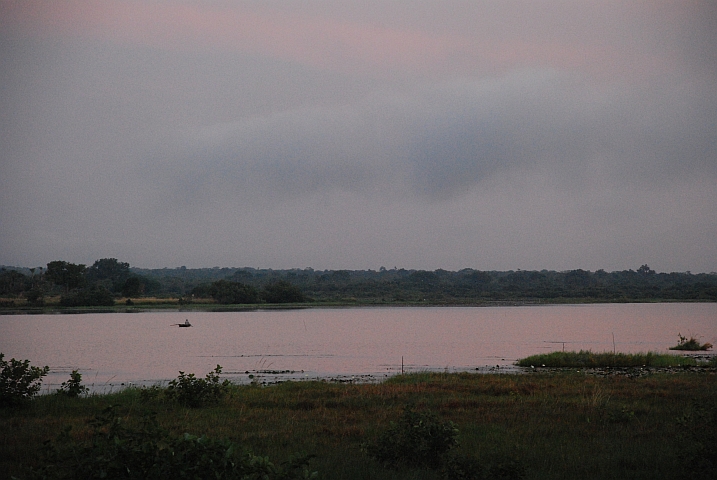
(186, 323)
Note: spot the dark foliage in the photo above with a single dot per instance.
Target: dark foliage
(250, 285)
(697, 429)
(418, 439)
(68, 275)
(421, 440)
(119, 452)
(465, 467)
(228, 292)
(138, 285)
(132, 287)
(19, 381)
(13, 282)
(109, 272)
(35, 296)
(464, 286)
(73, 388)
(195, 392)
(94, 296)
(282, 292)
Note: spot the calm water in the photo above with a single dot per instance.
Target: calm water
(143, 348)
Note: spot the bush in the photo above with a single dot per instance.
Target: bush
(118, 452)
(73, 388)
(691, 345)
(418, 439)
(197, 392)
(19, 381)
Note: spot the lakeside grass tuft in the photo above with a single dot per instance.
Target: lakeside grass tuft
(558, 425)
(589, 359)
(691, 344)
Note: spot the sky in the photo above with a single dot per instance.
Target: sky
(325, 134)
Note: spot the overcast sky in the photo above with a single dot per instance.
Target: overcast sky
(331, 134)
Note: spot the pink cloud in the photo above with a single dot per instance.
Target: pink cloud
(319, 41)
(315, 38)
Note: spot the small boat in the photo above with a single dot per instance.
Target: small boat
(185, 324)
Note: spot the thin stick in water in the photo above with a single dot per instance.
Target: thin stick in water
(613, 343)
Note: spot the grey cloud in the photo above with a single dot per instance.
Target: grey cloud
(213, 157)
(441, 141)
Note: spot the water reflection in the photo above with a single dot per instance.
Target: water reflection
(145, 348)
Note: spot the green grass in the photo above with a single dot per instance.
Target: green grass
(558, 426)
(588, 359)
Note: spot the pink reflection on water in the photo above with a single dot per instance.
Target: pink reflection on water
(143, 348)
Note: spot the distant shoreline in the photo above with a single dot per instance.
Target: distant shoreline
(172, 305)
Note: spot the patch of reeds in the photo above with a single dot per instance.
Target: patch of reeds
(589, 359)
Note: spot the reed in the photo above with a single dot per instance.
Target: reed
(588, 359)
(556, 426)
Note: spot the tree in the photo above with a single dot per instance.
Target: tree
(227, 292)
(95, 296)
(68, 275)
(13, 282)
(645, 270)
(282, 292)
(110, 272)
(132, 287)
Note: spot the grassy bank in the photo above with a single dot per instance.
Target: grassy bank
(566, 425)
(588, 359)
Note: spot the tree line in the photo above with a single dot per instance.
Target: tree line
(107, 280)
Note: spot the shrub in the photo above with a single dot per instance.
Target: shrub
(418, 439)
(73, 387)
(690, 345)
(197, 392)
(19, 381)
(148, 452)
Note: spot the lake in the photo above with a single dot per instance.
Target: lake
(112, 350)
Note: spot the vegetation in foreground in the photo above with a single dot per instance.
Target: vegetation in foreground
(418, 426)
